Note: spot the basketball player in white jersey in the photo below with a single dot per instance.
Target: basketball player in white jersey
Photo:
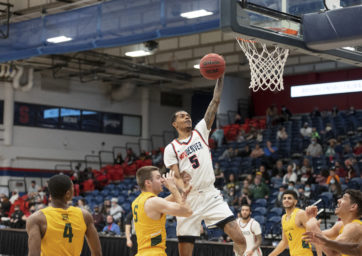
(251, 231)
(189, 157)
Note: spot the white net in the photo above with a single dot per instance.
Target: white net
(266, 65)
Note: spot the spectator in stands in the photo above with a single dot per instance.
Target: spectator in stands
(259, 136)
(347, 150)
(252, 135)
(271, 115)
(330, 152)
(328, 132)
(264, 174)
(339, 169)
(357, 150)
(280, 195)
(83, 205)
(314, 149)
(231, 197)
(99, 219)
(257, 151)
(219, 176)
(245, 187)
(244, 198)
(290, 175)
(157, 159)
(282, 134)
(322, 178)
(118, 159)
(227, 154)
(111, 227)
(4, 204)
(106, 208)
(16, 220)
(308, 193)
(278, 170)
(218, 136)
(351, 111)
(291, 186)
(351, 172)
(335, 189)
(259, 189)
(244, 152)
(333, 177)
(34, 188)
(116, 210)
(26, 215)
(130, 157)
(241, 136)
(315, 112)
(305, 165)
(307, 177)
(238, 119)
(14, 196)
(232, 184)
(285, 114)
(335, 111)
(270, 154)
(315, 134)
(306, 131)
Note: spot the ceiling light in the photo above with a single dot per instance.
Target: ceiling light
(349, 48)
(59, 39)
(197, 66)
(196, 14)
(138, 53)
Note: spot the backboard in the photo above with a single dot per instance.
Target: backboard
(279, 22)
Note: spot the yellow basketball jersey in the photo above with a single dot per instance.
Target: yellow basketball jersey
(151, 234)
(341, 230)
(297, 246)
(65, 231)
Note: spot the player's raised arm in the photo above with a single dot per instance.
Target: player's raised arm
(281, 246)
(92, 235)
(214, 104)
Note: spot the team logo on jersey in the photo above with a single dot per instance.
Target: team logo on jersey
(191, 149)
(65, 217)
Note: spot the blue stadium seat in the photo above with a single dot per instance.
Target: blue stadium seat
(126, 207)
(259, 211)
(261, 219)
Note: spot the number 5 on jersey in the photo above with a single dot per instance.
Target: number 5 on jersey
(68, 232)
(194, 161)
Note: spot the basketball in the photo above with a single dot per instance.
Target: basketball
(212, 66)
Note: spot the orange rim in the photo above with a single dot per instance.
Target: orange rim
(288, 31)
(245, 40)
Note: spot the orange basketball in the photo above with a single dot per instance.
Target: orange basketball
(212, 66)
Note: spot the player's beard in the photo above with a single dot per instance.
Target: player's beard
(246, 217)
(289, 207)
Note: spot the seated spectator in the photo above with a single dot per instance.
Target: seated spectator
(4, 204)
(99, 219)
(347, 150)
(306, 131)
(253, 133)
(116, 210)
(83, 205)
(244, 198)
(241, 136)
(285, 114)
(245, 187)
(280, 195)
(227, 154)
(232, 183)
(278, 170)
(264, 174)
(282, 134)
(259, 189)
(291, 186)
(339, 169)
(119, 159)
(315, 112)
(157, 158)
(106, 208)
(16, 220)
(336, 190)
(111, 227)
(259, 136)
(330, 152)
(231, 197)
(357, 150)
(26, 215)
(322, 178)
(271, 115)
(305, 165)
(219, 176)
(315, 134)
(351, 172)
(290, 175)
(328, 132)
(245, 152)
(270, 154)
(14, 196)
(303, 200)
(257, 152)
(218, 136)
(34, 188)
(332, 178)
(238, 119)
(314, 149)
(307, 177)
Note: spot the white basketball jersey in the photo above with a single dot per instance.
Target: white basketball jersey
(250, 231)
(193, 156)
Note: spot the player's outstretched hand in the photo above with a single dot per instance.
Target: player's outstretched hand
(169, 180)
(311, 211)
(315, 238)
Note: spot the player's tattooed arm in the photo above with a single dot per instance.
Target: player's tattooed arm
(214, 104)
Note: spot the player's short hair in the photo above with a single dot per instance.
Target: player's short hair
(356, 198)
(290, 192)
(247, 205)
(174, 116)
(58, 185)
(145, 173)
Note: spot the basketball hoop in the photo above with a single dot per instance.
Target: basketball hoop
(266, 65)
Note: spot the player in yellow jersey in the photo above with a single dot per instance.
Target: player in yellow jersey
(149, 210)
(59, 229)
(294, 225)
(348, 229)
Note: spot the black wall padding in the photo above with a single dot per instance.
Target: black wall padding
(333, 29)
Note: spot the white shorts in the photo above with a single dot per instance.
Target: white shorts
(207, 205)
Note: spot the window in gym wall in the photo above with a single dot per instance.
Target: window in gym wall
(70, 119)
(91, 121)
(48, 117)
(112, 123)
(132, 125)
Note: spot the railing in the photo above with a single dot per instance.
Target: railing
(92, 159)
(104, 160)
